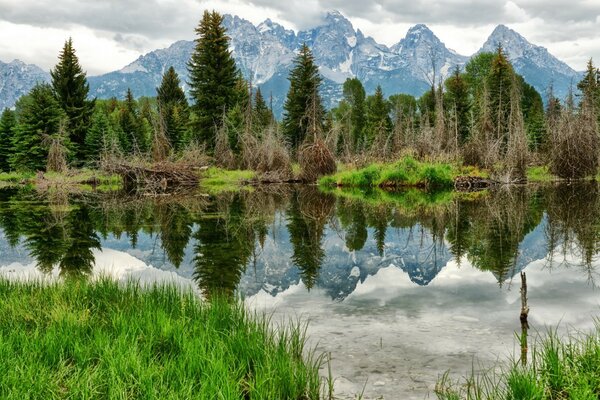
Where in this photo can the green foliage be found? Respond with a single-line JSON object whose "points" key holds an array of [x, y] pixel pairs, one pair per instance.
{"points": [[533, 114], [458, 104], [477, 70], [71, 89], [39, 114], [379, 123], [427, 105], [133, 137], [305, 82], [218, 180], [560, 369], [540, 174], [212, 78], [263, 116], [404, 173], [100, 136], [173, 108], [589, 87], [8, 122], [355, 96], [499, 83], [76, 339]]}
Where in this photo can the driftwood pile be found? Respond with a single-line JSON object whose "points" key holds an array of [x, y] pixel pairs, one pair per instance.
{"points": [[472, 183], [157, 177]]}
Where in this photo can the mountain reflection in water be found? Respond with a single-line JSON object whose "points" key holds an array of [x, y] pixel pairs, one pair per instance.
{"points": [[269, 239]]}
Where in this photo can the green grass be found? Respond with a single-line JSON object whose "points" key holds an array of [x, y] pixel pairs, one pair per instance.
{"points": [[406, 172], [540, 174], [560, 369], [77, 178], [103, 340], [16, 177], [217, 180]]}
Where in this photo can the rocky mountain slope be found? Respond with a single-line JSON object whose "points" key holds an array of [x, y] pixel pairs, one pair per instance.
{"points": [[265, 55]]}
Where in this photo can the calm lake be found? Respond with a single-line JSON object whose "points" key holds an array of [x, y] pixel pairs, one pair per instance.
{"points": [[399, 287]]}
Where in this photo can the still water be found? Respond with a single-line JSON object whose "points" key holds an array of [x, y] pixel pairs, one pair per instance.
{"points": [[398, 287]]}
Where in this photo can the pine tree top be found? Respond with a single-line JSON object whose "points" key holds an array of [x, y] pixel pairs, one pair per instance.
{"points": [[69, 81], [170, 91]]}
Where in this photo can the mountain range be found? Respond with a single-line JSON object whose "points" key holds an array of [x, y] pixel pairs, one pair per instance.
{"points": [[265, 53]]}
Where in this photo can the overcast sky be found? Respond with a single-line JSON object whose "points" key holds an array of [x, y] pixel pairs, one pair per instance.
{"points": [[108, 34]]}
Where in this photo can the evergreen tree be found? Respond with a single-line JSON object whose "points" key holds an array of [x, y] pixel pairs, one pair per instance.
{"points": [[263, 116], [173, 108], [458, 104], [499, 84], [71, 89], [40, 115], [589, 87], [427, 107], [99, 137], [305, 82], [7, 124], [133, 131], [378, 115], [533, 115], [213, 77], [355, 96]]}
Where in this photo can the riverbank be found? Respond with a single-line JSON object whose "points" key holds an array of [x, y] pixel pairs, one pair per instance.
{"points": [[75, 180], [75, 339], [404, 173]]}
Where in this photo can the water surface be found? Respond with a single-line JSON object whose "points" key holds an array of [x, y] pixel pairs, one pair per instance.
{"points": [[399, 287]]}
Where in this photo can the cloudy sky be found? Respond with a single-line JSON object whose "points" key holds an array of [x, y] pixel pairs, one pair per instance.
{"points": [[108, 34]]}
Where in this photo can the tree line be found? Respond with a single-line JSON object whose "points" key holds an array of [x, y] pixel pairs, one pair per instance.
{"points": [[484, 115]]}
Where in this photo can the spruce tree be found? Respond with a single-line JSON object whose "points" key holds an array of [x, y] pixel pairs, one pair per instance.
{"points": [[8, 122], [173, 108], [499, 83], [212, 78], [589, 87], [263, 117], [533, 115], [133, 132], [378, 115], [305, 82], [71, 89], [99, 137], [458, 104], [40, 115], [354, 95]]}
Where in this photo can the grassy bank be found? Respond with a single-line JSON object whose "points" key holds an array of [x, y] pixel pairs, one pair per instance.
{"points": [[101, 340], [559, 369], [216, 180], [76, 179], [406, 172]]}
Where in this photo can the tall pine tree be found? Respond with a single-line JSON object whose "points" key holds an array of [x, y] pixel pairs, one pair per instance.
{"points": [[354, 94], [133, 131], [458, 104], [500, 83], [71, 89], [40, 115], [263, 117], [7, 125], [378, 115], [305, 82], [212, 78], [173, 108]]}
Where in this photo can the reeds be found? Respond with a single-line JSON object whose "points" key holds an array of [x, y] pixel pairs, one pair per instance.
{"points": [[76, 339], [566, 368]]}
